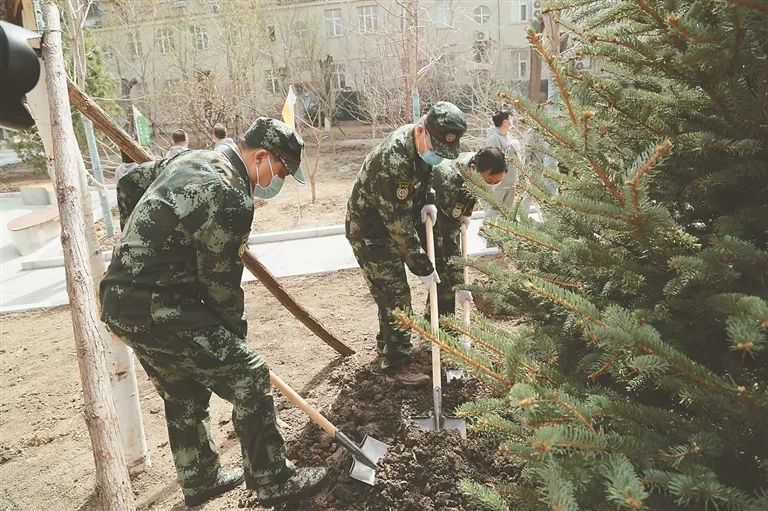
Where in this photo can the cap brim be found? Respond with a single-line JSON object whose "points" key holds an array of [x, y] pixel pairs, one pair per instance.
{"points": [[447, 151], [295, 169]]}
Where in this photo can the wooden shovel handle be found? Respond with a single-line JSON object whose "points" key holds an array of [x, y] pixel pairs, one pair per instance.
{"points": [[434, 319], [466, 306], [301, 404]]}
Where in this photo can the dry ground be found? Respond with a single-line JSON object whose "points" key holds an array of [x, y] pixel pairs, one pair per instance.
{"points": [[45, 456]]}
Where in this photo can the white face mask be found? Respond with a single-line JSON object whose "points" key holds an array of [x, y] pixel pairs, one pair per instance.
{"points": [[274, 186]]}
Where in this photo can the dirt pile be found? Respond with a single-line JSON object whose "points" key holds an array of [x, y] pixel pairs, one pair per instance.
{"points": [[422, 469]]}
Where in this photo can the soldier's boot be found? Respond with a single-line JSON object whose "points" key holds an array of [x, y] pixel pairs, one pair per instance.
{"points": [[228, 479], [305, 481], [409, 376]]}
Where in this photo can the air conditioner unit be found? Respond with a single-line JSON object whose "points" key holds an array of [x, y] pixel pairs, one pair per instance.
{"points": [[482, 36], [536, 9], [583, 63]]}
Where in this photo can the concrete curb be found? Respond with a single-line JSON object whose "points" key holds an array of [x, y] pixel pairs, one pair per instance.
{"points": [[254, 239]]}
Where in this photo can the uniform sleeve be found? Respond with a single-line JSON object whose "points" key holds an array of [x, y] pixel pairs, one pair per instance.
{"points": [[451, 274], [394, 187], [131, 187], [220, 229]]}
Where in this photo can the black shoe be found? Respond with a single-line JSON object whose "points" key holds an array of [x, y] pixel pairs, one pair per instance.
{"points": [[305, 481], [228, 479]]}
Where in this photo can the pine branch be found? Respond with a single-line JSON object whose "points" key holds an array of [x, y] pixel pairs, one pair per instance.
{"points": [[606, 181], [536, 41], [530, 235], [662, 149], [460, 328], [533, 111], [483, 495], [408, 323], [751, 4]]}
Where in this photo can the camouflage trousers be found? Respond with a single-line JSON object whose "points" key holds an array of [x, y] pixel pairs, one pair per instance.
{"points": [[185, 367], [384, 272], [447, 246], [446, 294]]}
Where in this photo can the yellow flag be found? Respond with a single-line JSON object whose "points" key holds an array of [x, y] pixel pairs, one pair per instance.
{"points": [[289, 116]]}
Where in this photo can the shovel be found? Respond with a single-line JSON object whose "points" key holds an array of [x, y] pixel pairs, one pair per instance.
{"points": [[437, 422], [466, 308], [364, 456]]}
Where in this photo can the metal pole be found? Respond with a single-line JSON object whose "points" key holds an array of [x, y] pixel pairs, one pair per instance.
{"points": [[98, 174]]}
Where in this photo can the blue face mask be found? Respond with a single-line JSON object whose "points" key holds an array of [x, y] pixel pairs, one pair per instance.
{"points": [[274, 186], [431, 157]]}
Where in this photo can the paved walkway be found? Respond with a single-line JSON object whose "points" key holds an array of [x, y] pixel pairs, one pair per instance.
{"points": [[38, 281]]}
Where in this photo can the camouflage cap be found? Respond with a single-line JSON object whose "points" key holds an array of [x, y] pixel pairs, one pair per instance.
{"points": [[279, 139], [445, 124]]}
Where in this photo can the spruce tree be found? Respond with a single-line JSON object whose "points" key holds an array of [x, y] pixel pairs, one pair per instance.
{"points": [[637, 377]]}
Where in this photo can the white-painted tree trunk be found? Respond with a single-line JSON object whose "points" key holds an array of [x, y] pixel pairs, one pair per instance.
{"points": [[100, 415], [122, 374]]}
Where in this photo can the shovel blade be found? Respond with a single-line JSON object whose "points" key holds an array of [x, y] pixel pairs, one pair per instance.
{"points": [[428, 424], [374, 450], [454, 374]]}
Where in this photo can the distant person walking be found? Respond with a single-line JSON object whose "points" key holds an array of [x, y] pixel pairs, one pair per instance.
{"points": [[499, 136], [180, 143], [220, 138], [125, 167]]}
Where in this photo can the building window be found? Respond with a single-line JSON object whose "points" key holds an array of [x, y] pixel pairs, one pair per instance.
{"points": [[338, 79], [333, 22], [367, 18], [300, 30], [482, 14], [199, 37], [165, 41], [520, 11], [519, 59], [134, 45], [443, 12]]}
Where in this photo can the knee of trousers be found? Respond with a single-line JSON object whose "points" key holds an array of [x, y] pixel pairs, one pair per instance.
{"points": [[251, 383]]}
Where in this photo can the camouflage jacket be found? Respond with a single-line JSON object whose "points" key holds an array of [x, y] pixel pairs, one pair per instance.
{"points": [[391, 188], [132, 185], [452, 201], [177, 263]]}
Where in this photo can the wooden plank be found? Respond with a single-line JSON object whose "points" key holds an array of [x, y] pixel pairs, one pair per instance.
{"points": [[33, 218]]}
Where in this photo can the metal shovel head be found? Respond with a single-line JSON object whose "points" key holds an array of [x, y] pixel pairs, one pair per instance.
{"points": [[374, 450], [428, 424]]}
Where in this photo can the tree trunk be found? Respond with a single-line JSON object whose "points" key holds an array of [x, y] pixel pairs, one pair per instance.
{"points": [[111, 472]]}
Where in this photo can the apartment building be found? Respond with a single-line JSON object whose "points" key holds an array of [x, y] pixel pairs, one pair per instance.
{"points": [[342, 46]]}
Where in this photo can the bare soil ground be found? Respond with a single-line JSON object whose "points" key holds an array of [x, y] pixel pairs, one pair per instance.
{"points": [[13, 177], [45, 456]]}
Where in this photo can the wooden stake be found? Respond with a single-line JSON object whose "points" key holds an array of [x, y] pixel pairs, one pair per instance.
{"points": [[100, 416], [140, 155]]}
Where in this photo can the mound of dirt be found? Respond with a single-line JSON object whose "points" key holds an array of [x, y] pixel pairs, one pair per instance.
{"points": [[421, 470]]}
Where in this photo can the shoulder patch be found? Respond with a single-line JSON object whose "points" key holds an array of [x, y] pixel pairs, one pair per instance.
{"points": [[458, 209], [403, 190]]}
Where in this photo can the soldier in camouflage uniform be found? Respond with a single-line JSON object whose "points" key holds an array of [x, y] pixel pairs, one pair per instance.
{"points": [[454, 207], [172, 293], [389, 196]]}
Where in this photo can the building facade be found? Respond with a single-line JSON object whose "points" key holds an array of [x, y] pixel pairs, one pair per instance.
{"points": [[352, 57]]}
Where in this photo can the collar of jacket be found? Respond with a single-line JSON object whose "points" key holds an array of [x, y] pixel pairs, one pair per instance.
{"points": [[238, 164], [419, 165]]}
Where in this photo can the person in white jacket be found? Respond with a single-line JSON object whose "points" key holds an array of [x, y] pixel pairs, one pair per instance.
{"points": [[499, 136]]}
